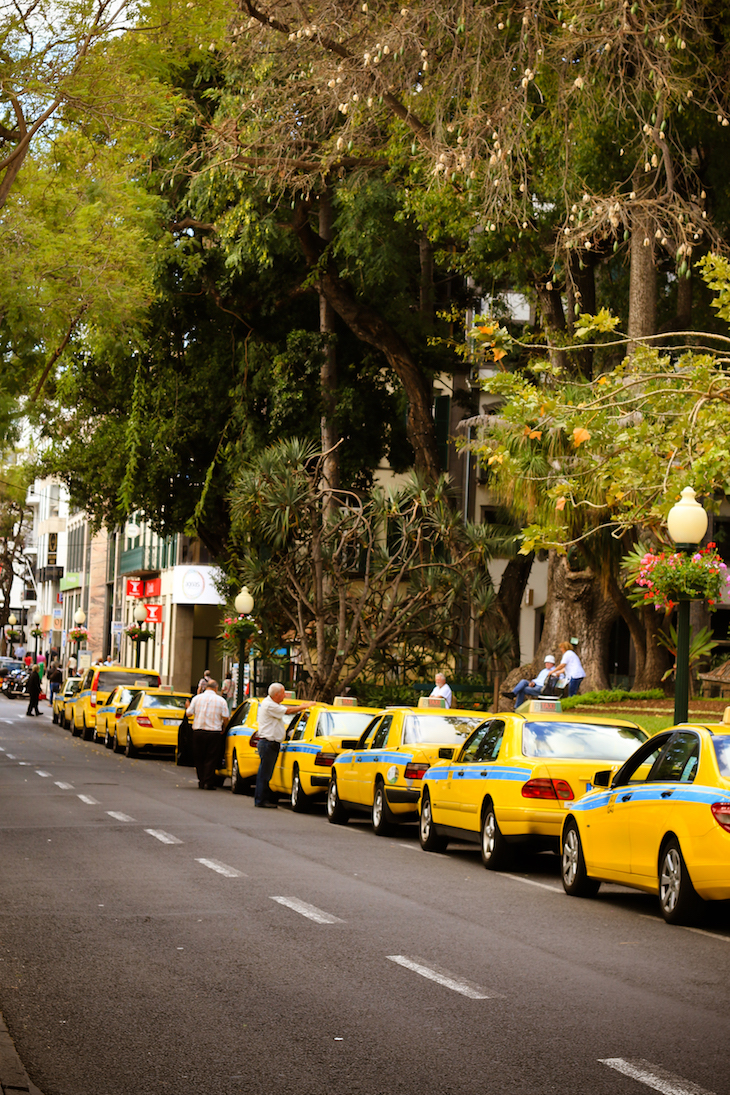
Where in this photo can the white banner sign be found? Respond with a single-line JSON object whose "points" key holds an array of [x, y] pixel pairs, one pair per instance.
{"points": [[195, 586]]}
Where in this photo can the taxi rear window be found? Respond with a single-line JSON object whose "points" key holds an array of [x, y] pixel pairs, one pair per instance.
{"points": [[349, 723], [110, 678], [165, 701], [438, 729], [722, 752], [580, 740]]}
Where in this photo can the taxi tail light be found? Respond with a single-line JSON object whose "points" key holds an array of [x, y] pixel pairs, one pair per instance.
{"points": [[253, 740], [118, 712], [547, 788], [721, 814], [92, 699], [416, 769], [142, 720], [325, 760]]}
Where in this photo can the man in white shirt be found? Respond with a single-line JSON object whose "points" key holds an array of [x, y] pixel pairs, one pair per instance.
{"points": [[208, 713], [271, 730], [442, 689], [532, 688]]}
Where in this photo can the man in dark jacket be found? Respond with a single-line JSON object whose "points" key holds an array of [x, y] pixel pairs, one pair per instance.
{"points": [[34, 690]]}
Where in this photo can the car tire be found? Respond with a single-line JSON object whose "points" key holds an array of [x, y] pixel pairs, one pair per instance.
{"points": [[108, 739], [678, 899], [496, 854], [427, 833], [299, 801], [381, 816], [130, 749], [65, 723], [573, 865], [75, 730], [336, 812], [87, 732], [116, 747], [54, 717], [238, 785]]}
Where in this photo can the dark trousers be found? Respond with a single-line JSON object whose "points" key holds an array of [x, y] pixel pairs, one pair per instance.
{"points": [[206, 753], [33, 703], [268, 751]]}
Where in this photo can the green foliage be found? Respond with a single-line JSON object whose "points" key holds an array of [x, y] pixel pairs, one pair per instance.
{"points": [[613, 695], [701, 645]]}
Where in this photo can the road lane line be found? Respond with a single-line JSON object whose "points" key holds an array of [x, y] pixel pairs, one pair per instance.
{"points": [[410, 847], [222, 868], [40, 772], [164, 838], [654, 1077], [310, 911], [119, 817], [64, 786], [24, 764], [448, 982], [10, 756], [686, 927], [89, 800], [531, 882]]}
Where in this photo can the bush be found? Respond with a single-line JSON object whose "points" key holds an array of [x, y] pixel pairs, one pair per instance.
{"points": [[614, 695]]}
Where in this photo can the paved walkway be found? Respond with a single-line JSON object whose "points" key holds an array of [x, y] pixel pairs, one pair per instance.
{"points": [[13, 1077]]}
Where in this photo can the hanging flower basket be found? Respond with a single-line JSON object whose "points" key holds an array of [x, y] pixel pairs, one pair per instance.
{"points": [[77, 635], [669, 578], [13, 636], [37, 632], [236, 628], [138, 634]]}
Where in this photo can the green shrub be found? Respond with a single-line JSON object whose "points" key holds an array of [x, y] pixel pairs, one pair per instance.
{"points": [[614, 695]]}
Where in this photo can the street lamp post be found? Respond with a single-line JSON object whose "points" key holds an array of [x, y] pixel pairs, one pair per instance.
{"points": [[687, 524], [140, 615], [79, 620], [243, 605], [12, 620], [37, 621]]}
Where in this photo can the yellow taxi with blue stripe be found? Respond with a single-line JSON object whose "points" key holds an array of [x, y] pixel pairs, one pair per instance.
{"points": [[107, 715], [62, 697], [97, 684], [151, 720], [660, 823], [240, 756], [514, 779], [315, 738], [382, 775]]}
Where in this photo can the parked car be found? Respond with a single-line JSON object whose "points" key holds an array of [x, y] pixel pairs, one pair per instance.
{"points": [[97, 684], [69, 689], [150, 721], [660, 823], [240, 756], [107, 715]]}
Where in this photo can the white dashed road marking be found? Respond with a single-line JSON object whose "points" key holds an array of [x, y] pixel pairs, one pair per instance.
{"points": [[10, 756], [119, 817], [531, 882], [64, 786], [654, 1077], [24, 763], [89, 800], [310, 911], [221, 868], [40, 772], [164, 838], [448, 982]]}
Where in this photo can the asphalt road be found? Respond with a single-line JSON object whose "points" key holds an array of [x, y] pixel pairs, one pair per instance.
{"points": [[157, 938]]}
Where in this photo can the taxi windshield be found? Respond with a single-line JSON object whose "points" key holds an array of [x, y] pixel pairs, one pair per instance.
{"points": [[722, 752], [165, 701], [438, 729], [349, 723], [110, 678], [580, 740]]}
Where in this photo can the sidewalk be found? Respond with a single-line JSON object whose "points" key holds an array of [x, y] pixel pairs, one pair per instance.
{"points": [[13, 1077]]}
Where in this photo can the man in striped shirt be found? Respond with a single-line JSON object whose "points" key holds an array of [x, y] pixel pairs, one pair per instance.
{"points": [[209, 714]]}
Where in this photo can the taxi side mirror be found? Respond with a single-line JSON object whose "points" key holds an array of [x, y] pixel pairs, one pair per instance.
{"points": [[350, 743], [445, 753], [602, 779]]}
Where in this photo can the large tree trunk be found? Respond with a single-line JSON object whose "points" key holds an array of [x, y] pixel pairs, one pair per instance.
{"points": [[328, 372], [642, 278], [511, 591], [369, 326]]}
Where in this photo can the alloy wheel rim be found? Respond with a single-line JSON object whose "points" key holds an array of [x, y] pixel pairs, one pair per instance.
{"points": [[295, 788], [488, 835], [570, 857], [377, 807], [426, 818], [234, 772], [671, 880], [332, 799]]}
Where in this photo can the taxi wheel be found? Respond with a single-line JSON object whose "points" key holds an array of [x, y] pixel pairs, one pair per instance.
{"points": [[108, 739], [496, 853], [54, 717], [87, 732], [75, 730], [336, 812], [299, 801], [429, 838], [238, 785], [678, 899], [130, 750], [381, 815], [573, 865], [116, 747]]}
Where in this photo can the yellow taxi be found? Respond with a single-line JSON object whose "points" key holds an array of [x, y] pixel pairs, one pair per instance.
{"points": [[515, 778], [66, 717], [70, 689], [660, 823], [150, 721], [314, 740], [97, 684], [383, 774], [240, 756], [107, 715]]}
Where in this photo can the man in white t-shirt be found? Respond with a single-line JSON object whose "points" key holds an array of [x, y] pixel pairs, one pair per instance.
{"points": [[208, 713], [442, 689], [271, 730]]}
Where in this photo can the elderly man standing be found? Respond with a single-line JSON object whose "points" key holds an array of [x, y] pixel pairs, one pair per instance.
{"points": [[442, 689], [209, 714], [271, 730]]}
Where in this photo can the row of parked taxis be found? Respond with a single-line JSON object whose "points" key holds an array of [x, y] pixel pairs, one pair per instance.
{"points": [[650, 813]]}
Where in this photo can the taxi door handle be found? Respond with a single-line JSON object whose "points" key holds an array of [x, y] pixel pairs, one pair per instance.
{"points": [[667, 794], [460, 773], [483, 773], [625, 798]]}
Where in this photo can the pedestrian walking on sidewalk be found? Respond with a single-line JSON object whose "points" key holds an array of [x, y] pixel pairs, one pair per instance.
{"points": [[34, 692], [209, 713]]}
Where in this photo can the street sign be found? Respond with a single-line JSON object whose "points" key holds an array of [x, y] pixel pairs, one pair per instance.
{"points": [[153, 587], [135, 587], [154, 614]]}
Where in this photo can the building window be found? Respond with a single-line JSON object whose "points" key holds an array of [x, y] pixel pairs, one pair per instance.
{"points": [[52, 548]]}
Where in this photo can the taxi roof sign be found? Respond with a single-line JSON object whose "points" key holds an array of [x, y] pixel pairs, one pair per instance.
{"points": [[432, 701], [344, 701], [290, 695], [544, 705]]}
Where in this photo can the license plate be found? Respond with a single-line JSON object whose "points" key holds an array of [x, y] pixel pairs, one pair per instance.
{"points": [[171, 722]]}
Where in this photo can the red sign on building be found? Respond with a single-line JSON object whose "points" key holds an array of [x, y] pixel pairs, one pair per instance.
{"points": [[154, 614], [135, 587], [153, 587]]}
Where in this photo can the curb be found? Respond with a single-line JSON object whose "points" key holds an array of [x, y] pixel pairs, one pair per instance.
{"points": [[14, 1079]]}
